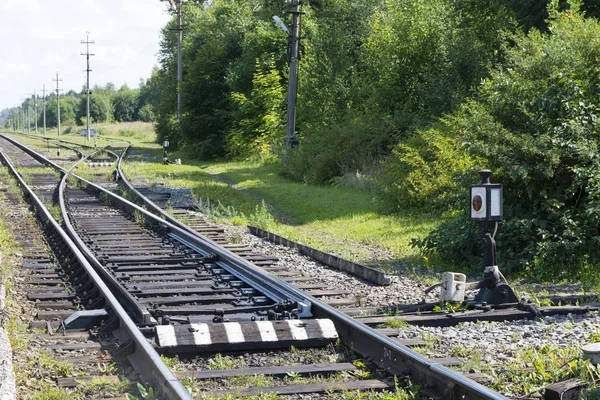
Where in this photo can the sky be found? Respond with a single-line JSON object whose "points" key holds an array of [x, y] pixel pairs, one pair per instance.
{"points": [[41, 37]]}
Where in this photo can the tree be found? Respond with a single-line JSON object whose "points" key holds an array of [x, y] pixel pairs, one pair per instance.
{"points": [[101, 103], [261, 116], [126, 104]]}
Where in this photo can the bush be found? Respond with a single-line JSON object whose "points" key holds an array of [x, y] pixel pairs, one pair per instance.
{"points": [[334, 151], [425, 171], [146, 113], [535, 121]]}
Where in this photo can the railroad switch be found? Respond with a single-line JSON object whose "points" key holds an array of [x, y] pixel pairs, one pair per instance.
{"points": [[283, 310], [486, 207], [166, 160]]}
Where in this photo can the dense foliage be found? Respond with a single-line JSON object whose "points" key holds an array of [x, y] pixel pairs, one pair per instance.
{"points": [[370, 72], [535, 122]]}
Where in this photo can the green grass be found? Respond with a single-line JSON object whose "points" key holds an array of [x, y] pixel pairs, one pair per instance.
{"points": [[339, 214], [341, 220]]}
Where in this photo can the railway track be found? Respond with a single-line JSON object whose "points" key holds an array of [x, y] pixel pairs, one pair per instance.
{"points": [[66, 282], [182, 289]]}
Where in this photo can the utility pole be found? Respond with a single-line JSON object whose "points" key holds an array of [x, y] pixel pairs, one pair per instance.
{"points": [[179, 66], [44, 106], [179, 29], [35, 110], [23, 115], [28, 118], [294, 44], [58, 102], [87, 42]]}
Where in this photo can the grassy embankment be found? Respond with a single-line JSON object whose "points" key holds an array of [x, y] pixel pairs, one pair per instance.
{"points": [[340, 220]]}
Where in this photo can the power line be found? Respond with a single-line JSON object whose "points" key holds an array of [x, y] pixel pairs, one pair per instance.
{"points": [[87, 42]]}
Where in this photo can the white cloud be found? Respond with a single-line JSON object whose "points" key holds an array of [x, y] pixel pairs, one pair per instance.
{"points": [[43, 37]]}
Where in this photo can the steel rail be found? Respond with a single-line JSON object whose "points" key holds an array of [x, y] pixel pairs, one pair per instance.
{"points": [[79, 152], [272, 287], [145, 360], [277, 291]]}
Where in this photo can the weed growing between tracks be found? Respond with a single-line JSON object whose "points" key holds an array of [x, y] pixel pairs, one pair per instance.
{"points": [[535, 369], [530, 369], [92, 174], [293, 356]]}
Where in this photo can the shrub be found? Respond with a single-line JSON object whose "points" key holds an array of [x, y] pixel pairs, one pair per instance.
{"points": [[425, 171], [146, 113], [332, 152], [535, 123]]}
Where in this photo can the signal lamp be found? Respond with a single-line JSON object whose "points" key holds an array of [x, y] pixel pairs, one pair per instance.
{"points": [[486, 199]]}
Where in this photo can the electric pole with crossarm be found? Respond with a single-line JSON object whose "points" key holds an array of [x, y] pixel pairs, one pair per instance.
{"points": [[58, 102], [35, 110], [294, 7], [87, 42], [44, 106], [179, 29]]}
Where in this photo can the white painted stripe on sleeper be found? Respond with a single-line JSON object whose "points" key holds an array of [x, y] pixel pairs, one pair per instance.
{"points": [[297, 329], [167, 336], [328, 328], [201, 334], [267, 331], [234, 332]]}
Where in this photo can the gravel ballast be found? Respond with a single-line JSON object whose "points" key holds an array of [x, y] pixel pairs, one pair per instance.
{"points": [[500, 344], [8, 388]]}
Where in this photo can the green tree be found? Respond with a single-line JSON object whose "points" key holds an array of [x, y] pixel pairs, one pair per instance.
{"points": [[261, 116], [101, 103], [125, 103]]}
